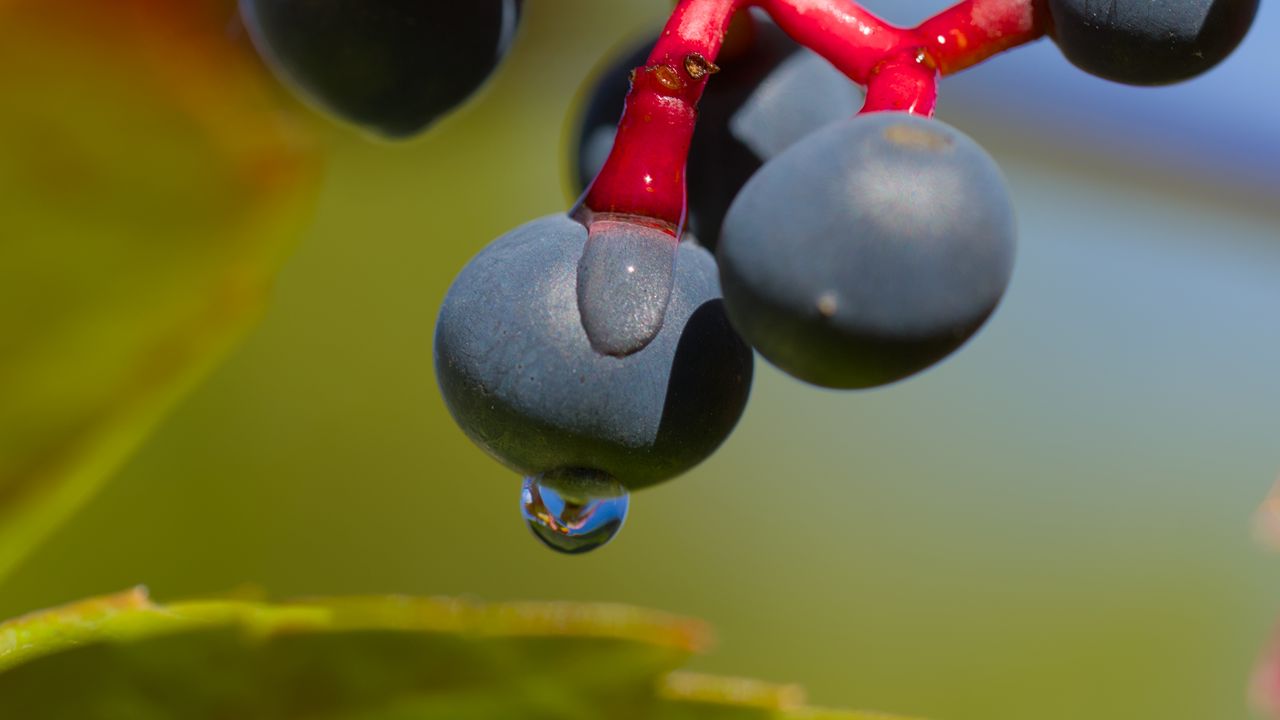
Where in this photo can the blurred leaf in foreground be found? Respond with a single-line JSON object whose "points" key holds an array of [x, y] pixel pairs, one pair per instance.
{"points": [[149, 187], [369, 658]]}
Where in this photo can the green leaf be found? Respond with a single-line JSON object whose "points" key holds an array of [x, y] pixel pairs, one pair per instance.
{"points": [[690, 696], [371, 659], [150, 186]]}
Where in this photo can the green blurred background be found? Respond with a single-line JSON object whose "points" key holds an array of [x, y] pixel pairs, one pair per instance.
{"points": [[1054, 524]]}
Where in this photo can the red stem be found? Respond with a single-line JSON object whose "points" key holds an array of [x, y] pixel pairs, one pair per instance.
{"points": [[644, 174], [852, 39], [906, 82], [974, 30]]}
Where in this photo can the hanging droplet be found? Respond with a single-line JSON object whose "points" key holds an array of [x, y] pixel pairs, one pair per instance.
{"points": [[574, 511], [624, 284]]}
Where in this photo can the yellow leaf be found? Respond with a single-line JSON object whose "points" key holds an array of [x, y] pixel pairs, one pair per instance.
{"points": [[150, 185]]}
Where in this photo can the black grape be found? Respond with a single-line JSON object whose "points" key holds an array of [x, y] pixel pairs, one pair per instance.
{"points": [[391, 66], [521, 379], [868, 251], [1149, 42], [766, 97]]}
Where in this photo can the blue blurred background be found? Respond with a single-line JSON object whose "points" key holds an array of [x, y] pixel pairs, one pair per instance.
{"points": [[1054, 524]]}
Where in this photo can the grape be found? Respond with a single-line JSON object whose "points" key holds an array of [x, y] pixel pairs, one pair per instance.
{"points": [[766, 97], [867, 251], [391, 66], [519, 376], [1149, 42]]}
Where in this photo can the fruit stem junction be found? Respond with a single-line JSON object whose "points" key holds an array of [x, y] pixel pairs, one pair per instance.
{"points": [[644, 175]]}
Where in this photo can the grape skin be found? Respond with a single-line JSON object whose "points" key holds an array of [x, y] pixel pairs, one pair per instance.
{"points": [[520, 377], [1149, 42], [868, 251], [391, 66]]}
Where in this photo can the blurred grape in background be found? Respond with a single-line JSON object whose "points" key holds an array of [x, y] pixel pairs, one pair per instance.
{"points": [[1053, 524]]}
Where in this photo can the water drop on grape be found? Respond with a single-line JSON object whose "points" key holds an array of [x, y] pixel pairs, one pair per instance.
{"points": [[574, 511], [624, 284]]}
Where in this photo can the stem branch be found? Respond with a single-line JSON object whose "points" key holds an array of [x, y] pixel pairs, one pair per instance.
{"points": [[644, 175]]}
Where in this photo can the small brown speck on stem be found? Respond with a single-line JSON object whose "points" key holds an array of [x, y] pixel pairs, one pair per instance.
{"points": [[698, 67], [668, 77]]}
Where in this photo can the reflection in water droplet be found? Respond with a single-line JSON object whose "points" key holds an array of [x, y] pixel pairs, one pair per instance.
{"points": [[624, 284], [574, 511]]}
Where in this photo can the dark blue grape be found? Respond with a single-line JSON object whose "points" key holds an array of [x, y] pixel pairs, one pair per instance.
{"points": [[867, 251], [391, 66], [1149, 42], [520, 377], [766, 97]]}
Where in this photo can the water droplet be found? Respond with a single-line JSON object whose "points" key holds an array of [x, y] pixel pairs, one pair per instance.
{"points": [[624, 284], [574, 511]]}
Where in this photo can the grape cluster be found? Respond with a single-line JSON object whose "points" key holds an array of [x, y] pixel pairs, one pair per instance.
{"points": [[593, 352]]}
